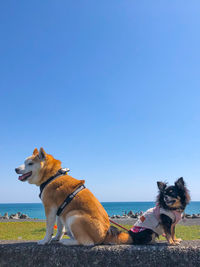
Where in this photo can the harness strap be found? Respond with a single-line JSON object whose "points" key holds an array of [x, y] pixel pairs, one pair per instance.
{"points": [[69, 199], [59, 173], [119, 225]]}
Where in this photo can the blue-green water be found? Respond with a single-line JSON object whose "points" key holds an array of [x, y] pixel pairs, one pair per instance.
{"points": [[36, 210]]}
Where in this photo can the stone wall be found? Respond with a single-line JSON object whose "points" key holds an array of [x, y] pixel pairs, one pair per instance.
{"points": [[30, 254]]}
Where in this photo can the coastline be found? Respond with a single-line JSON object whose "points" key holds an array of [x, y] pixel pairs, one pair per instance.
{"points": [[36, 210]]}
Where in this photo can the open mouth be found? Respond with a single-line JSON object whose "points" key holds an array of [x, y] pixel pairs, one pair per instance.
{"points": [[170, 202], [25, 176]]}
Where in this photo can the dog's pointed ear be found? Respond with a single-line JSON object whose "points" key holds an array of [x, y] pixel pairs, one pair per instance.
{"points": [[35, 152], [161, 186], [180, 183], [42, 154]]}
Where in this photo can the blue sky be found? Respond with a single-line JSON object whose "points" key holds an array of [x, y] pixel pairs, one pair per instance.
{"points": [[111, 88]]}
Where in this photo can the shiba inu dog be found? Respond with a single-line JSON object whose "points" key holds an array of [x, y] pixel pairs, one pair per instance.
{"points": [[84, 218]]}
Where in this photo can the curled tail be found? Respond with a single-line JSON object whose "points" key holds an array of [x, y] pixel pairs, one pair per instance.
{"points": [[114, 236]]}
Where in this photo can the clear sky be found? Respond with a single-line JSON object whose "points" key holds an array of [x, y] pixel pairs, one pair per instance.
{"points": [[111, 88]]}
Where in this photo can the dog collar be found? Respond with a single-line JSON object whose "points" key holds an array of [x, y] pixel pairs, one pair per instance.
{"points": [[59, 173]]}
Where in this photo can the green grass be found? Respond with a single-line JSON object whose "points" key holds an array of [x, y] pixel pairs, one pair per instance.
{"points": [[22, 230], [36, 231]]}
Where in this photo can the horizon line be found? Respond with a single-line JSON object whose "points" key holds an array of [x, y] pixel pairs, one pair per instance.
{"points": [[99, 201]]}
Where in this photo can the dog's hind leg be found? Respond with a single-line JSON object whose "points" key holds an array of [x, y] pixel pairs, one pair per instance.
{"points": [[60, 230], [79, 229], [87, 230], [51, 218], [71, 241]]}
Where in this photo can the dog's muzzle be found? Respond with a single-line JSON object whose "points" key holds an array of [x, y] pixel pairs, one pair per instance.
{"points": [[25, 176]]}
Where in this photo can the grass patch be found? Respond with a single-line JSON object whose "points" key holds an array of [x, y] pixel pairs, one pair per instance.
{"points": [[188, 232], [37, 230], [22, 230]]}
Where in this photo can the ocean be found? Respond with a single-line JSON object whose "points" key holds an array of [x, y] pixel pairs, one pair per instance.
{"points": [[36, 210]]}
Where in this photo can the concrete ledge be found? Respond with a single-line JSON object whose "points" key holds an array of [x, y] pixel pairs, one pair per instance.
{"points": [[30, 254]]}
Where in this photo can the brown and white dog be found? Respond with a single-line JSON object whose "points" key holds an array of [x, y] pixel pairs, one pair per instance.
{"points": [[84, 218]]}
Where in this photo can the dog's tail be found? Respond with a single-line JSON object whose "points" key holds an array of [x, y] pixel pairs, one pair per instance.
{"points": [[114, 236]]}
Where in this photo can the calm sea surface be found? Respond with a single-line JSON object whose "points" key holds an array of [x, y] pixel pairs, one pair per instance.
{"points": [[36, 210]]}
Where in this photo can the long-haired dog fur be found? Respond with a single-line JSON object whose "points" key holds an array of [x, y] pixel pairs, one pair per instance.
{"points": [[170, 204], [172, 198]]}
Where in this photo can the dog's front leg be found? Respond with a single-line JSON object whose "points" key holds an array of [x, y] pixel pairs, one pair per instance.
{"points": [[167, 223], [176, 240], [60, 230], [168, 235], [51, 218]]}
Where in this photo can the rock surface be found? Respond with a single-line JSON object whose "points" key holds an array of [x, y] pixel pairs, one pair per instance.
{"points": [[5, 216], [30, 254]]}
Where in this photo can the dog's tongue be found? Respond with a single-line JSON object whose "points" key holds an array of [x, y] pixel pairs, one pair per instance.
{"points": [[22, 177]]}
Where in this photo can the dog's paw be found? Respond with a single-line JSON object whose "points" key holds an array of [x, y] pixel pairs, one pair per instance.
{"points": [[173, 243], [55, 239], [179, 240], [42, 242]]}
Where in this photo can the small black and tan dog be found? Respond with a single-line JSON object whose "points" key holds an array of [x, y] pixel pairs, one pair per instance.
{"points": [[170, 204]]}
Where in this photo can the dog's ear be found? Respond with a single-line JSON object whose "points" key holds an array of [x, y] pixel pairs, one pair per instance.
{"points": [[161, 186], [35, 152], [42, 154], [180, 183]]}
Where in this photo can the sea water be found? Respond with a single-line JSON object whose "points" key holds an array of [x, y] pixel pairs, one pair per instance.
{"points": [[36, 210]]}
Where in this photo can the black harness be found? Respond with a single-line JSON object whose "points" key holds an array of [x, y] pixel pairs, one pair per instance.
{"points": [[69, 198]]}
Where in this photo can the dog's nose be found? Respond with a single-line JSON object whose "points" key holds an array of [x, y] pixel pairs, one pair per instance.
{"points": [[17, 170]]}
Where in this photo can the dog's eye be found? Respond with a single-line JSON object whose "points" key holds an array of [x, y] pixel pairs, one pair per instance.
{"points": [[31, 163]]}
